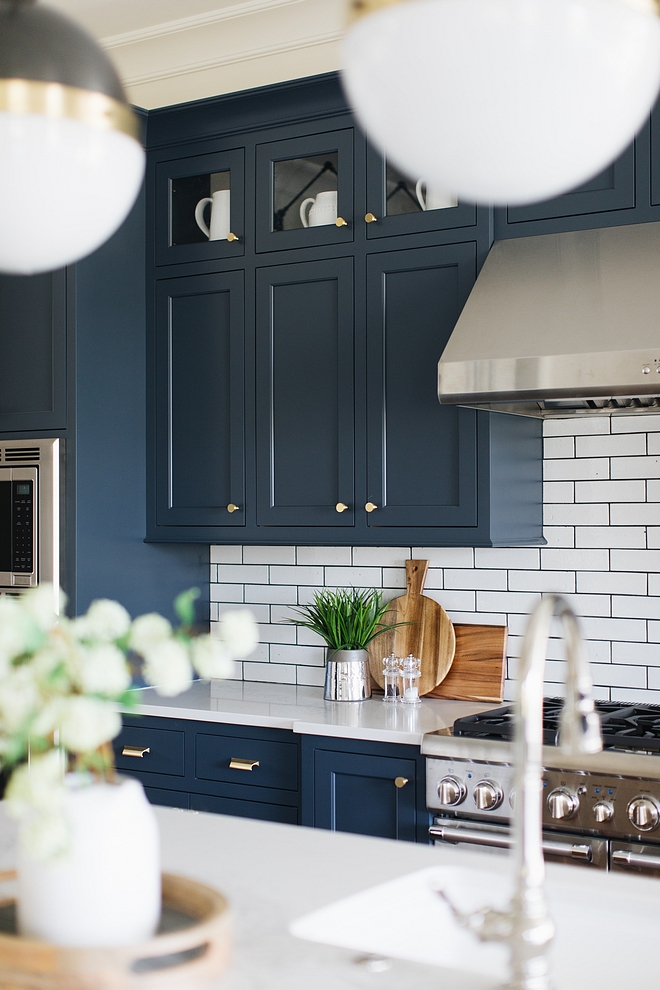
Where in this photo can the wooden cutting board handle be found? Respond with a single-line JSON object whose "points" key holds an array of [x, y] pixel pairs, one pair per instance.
{"points": [[416, 571]]}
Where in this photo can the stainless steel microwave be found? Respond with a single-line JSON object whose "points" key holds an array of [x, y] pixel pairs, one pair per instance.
{"points": [[29, 513]]}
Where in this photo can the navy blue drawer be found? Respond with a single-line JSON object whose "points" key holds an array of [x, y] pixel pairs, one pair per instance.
{"points": [[227, 758], [163, 750], [244, 809]]}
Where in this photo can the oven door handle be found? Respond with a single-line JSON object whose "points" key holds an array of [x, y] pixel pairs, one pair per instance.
{"points": [[499, 840], [626, 858]]}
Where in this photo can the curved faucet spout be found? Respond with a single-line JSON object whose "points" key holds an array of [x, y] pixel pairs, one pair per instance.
{"points": [[526, 925], [579, 733]]}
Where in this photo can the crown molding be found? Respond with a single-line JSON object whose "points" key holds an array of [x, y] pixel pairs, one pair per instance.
{"points": [[166, 28], [234, 58]]}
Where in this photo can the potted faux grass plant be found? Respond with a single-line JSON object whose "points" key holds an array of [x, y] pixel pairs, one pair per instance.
{"points": [[347, 619]]}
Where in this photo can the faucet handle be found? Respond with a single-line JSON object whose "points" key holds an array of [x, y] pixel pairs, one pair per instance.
{"points": [[486, 923]]}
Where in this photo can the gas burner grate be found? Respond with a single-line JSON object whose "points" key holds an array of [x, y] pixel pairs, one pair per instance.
{"points": [[623, 725]]}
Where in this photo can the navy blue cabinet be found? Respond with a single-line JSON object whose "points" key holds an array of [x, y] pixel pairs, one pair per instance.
{"points": [[33, 352], [340, 321], [364, 787], [200, 431], [305, 395], [345, 785]]}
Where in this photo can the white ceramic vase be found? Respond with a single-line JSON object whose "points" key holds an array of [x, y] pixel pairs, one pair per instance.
{"points": [[106, 890]]}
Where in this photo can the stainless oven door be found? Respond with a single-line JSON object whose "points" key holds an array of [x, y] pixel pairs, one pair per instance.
{"points": [[635, 857], [557, 848]]}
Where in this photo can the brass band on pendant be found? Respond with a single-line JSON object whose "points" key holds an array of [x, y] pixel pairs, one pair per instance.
{"points": [[54, 100], [362, 8]]}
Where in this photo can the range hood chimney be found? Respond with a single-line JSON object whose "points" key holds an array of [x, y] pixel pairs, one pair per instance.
{"points": [[561, 324]]}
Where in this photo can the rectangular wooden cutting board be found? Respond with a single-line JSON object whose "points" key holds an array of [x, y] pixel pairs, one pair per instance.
{"points": [[477, 673]]}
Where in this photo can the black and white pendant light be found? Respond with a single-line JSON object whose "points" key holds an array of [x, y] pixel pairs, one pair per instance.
{"points": [[71, 162]]}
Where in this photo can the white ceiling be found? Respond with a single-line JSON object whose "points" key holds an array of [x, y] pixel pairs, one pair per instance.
{"points": [[172, 51]]}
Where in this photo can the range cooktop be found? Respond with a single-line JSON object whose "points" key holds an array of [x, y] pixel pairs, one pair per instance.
{"points": [[625, 727]]}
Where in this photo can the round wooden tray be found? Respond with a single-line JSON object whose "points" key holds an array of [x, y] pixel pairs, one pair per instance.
{"points": [[190, 949]]}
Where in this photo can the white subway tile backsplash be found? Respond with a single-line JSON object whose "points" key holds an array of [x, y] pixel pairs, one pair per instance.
{"points": [[609, 491], [610, 536], [617, 445], [602, 525], [353, 577], [269, 555], [578, 469]]}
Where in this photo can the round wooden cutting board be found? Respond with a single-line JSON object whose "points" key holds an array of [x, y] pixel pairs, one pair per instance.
{"points": [[429, 636]]}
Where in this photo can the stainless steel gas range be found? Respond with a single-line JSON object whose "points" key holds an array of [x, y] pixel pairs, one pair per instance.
{"points": [[601, 811]]}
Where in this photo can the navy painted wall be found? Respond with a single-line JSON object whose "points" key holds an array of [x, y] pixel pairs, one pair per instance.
{"points": [[112, 561]]}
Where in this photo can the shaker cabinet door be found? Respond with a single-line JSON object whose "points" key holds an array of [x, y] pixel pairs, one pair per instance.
{"points": [[200, 430], [305, 382], [422, 457]]}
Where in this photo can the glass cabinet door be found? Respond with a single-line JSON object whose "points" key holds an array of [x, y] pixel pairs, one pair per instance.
{"points": [[200, 208], [403, 204], [305, 191]]}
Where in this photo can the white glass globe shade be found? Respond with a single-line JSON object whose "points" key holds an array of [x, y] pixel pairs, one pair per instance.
{"points": [[503, 101], [65, 187]]}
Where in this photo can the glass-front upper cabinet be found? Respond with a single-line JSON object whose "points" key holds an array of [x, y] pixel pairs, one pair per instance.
{"points": [[403, 204], [200, 208], [305, 191]]}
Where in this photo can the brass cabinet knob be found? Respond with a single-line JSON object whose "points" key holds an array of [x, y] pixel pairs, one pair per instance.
{"points": [[370, 506], [340, 222], [233, 508], [370, 218], [400, 781], [138, 751], [341, 507], [232, 237]]}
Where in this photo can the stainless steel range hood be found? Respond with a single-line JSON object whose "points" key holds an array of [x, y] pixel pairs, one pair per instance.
{"points": [[561, 324]]}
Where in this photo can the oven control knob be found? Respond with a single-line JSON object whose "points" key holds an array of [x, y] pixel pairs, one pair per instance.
{"points": [[562, 804], [451, 791], [644, 813], [487, 795], [603, 811]]}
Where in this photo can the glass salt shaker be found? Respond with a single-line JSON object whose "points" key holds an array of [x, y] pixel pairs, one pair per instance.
{"points": [[410, 674], [391, 678]]}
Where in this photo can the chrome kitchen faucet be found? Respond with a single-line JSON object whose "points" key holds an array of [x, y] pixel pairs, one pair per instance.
{"points": [[526, 925]]}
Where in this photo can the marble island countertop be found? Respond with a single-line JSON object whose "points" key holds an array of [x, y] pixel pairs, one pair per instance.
{"points": [[303, 710]]}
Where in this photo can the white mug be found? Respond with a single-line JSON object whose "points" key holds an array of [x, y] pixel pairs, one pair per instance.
{"points": [[323, 209], [435, 199], [219, 202]]}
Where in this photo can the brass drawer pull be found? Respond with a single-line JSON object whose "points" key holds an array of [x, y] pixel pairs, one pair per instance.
{"points": [[341, 507], [340, 222], [370, 218], [370, 506], [232, 507], [400, 781], [139, 751], [236, 763], [232, 237]]}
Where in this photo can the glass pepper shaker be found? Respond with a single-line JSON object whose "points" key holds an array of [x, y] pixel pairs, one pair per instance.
{"points": [[410, 674], [391, 678]]}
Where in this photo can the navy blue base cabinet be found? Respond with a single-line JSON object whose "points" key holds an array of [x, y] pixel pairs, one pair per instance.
{"points": [[364, 787], [278, 776]]}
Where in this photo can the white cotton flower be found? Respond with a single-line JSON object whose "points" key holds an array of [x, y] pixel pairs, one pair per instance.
{"points": [[147, 631], [105, 620], [103, 670], [49, 718], [168, 668], [238, 631], [20, 698], [42, 605], [211, 659], [37, 786], [87, 723], [18, 632]]}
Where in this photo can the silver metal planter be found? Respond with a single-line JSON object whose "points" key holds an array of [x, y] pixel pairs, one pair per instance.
{"points": [[347, 676]]}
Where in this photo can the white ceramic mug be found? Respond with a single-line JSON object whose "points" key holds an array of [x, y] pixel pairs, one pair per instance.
{"points": [[219, 203], [322, 210], [435, 199]]}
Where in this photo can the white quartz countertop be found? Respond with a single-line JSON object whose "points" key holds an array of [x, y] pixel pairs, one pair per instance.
{"points": [[302, 709]]}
